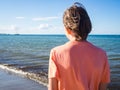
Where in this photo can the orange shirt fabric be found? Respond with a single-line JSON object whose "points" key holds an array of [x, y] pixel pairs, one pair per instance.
{"points": [[79, 66]]}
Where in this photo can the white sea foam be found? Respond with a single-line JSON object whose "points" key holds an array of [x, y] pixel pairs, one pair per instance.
{"points": [[31, 76]]}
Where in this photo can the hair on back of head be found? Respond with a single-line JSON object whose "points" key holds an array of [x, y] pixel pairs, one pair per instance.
{"points": [[77, 20]]}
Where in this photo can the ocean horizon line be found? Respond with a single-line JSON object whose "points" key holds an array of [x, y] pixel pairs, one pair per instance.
{"points": [[59, 34]]}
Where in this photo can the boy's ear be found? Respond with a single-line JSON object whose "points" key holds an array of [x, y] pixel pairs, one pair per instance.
{"points": [[68, 31]]}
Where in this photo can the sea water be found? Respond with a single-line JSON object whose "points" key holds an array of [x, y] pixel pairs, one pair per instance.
{"points": [[30, 53]]}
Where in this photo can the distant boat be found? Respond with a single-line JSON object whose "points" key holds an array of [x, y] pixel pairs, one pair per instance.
{"points": [[16, 34]]}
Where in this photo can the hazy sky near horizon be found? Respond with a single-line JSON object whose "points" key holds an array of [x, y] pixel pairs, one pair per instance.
{"points": [[45, 16]]}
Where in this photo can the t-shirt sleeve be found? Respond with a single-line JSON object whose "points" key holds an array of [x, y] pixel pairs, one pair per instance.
{"points": [[53, 71], [106, 71]]}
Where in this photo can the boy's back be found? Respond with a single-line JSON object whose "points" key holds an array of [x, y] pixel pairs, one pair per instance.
{"points": [[79, 66]]}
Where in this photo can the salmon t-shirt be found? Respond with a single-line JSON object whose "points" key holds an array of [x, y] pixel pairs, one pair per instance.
{"points": [[79, 66]]}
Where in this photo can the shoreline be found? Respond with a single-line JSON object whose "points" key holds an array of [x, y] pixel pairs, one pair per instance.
{"points": [[12, 81], [32, 76], [9, 77]]}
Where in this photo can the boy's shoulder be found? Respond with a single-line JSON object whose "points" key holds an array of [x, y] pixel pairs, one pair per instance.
{"points": [[57, 48], [60, 48], [98, 49], [63, 46]]}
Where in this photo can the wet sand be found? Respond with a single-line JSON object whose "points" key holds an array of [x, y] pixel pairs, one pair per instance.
{"points": [[10, 81]]}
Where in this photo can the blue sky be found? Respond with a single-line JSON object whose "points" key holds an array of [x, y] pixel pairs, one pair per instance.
{"points": [[45, 16]]}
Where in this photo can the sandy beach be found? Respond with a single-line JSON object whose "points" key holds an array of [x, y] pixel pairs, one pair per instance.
{"points": [[10, 81]]}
